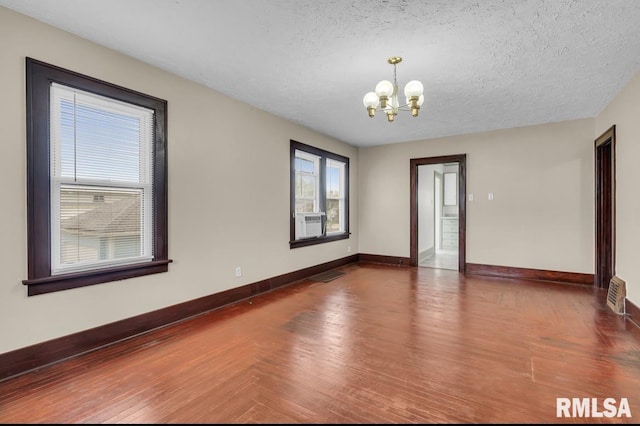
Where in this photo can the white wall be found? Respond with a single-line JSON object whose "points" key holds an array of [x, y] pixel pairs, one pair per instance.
{"points": [[426, 206], [453, 209], [624, 112], [228, 192], [542, 179]]}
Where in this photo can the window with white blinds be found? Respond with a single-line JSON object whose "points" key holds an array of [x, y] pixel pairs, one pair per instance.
{"points": [[101, 181], [97, 181]]}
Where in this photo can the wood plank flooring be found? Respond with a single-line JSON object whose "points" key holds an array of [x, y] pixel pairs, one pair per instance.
{"points": [[381, 344]]}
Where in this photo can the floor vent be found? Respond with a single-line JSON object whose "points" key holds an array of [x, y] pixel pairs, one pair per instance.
{"points": [[615, 296], [325, 277]]}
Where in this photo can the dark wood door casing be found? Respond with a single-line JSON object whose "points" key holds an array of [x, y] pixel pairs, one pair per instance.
{"points": [[461, 159], [605, 208]]}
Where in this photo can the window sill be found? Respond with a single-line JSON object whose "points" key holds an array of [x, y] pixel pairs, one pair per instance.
{"points": [[318, 240], [80, 279]]}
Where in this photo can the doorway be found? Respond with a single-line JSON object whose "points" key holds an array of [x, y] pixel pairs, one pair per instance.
{"points": [[605, 172], [438, 213]]}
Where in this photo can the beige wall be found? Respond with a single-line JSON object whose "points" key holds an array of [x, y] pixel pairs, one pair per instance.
{"points": [[542, 180], [228, 192], [624, 112]]}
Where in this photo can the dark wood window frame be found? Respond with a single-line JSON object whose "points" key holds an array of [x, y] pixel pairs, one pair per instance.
{"points": [[324, 155], [39, 76]]}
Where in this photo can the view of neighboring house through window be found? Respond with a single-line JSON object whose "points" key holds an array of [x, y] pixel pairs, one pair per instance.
{"points": [[319, 195], [96, 181]]}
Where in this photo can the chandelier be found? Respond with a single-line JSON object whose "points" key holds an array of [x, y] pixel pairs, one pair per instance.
{"points": [[386, 96]]}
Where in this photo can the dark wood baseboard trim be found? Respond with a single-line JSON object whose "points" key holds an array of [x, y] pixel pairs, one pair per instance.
{"points": [[632, 311], [39, 355], [388, 260], [529, 274]]}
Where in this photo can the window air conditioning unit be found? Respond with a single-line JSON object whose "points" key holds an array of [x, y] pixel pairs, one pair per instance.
{"points": [[309, 225]]}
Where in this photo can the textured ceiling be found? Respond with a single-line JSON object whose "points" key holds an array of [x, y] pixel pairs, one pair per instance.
{"points": [[485, 64]]}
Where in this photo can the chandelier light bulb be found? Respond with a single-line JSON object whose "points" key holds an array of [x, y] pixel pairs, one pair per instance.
{"points": [[384, 88], [413, 88], [371, 102]]}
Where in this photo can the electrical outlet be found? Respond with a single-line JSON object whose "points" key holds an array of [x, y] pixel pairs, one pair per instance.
{"points": [[348, 249], [238, 271]]}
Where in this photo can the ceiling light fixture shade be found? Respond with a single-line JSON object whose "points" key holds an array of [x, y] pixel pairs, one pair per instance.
{"points": [[386, 96], [371, 102]]}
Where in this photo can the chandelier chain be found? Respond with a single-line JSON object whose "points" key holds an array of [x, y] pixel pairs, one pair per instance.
{"points": [[395, 81]]}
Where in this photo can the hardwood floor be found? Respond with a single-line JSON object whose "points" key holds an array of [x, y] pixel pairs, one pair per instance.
{"points": [[380, 344]]}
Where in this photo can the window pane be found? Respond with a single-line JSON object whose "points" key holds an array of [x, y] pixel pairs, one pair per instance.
{"points": [[333, 215], [95, 137], [333, 181], [304, 206], [107, 145], [102, 153], [305, 166], [335, 190], [305, 186], [99, 224]]}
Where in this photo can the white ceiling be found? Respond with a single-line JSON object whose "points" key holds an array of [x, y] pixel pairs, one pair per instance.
{"points": [[485, 64]]}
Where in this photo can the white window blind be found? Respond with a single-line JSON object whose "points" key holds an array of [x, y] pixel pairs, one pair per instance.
{"points": [[101, 181]]}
